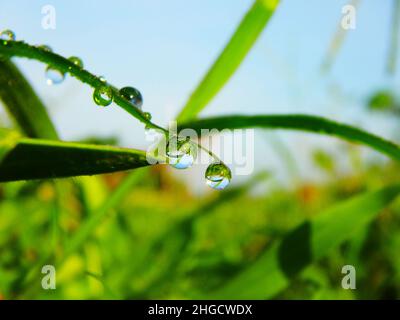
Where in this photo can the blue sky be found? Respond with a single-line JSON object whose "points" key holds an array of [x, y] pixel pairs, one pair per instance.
{"points": [[163, 48]]}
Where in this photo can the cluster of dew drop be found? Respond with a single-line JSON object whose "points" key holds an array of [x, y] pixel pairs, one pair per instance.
{"points": [[181, 154], [181, 151]]}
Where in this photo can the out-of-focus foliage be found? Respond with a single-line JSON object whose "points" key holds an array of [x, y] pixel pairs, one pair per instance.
{"points": [[161, 241], [382, 100]]}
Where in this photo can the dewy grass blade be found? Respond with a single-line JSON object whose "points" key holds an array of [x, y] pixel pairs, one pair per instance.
{"points": [[10, 49]]}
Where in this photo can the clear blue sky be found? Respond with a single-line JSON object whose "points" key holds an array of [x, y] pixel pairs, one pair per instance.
{"points": [[164, 48]]}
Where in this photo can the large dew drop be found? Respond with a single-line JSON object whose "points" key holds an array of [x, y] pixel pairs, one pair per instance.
{"points": [[76, 61], [103, 96], [181, 152], [133, 96], [7, 35], [218, 176], [54, 76]]}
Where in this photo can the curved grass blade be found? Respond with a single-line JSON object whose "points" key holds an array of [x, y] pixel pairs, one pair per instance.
{"points": [[231, 57], [23, 104], [312, 240], [42, 159], [298, 122]]}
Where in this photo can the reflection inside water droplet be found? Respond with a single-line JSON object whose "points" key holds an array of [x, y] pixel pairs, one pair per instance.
{"points": [[218, 176], [103, 96], [7, 35], [133, 96], [181, 152], [54, 76]]}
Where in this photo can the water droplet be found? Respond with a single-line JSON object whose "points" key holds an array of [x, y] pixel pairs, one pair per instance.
{"points": [[147, 115], [102, 79], [45, 48], [76, 61], [103, 96], [7, 35], [181, 152], [54, 76], [133, 96], [218, 176]]}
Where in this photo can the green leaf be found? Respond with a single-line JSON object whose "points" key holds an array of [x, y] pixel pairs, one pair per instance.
{"points": [[23, 104], [298, 122], [309, 242], [231, 57], [41, 159]]}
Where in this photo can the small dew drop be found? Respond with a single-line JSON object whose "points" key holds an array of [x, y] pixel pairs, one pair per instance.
{"points": [[76, 61], [45, 48], [133, 96], [54, 76], [147, 115], [7, 35], [102, 79], [181, 152], [218, 176], [103, 96]]}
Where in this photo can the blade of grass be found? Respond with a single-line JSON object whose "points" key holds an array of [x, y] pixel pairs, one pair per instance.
{"points": [[40, 159], [231, 57], [309, 242], [10, 49], [8, 140], [394, 38], [297, 122], [97, 216], [336, 43], [23, 104]]}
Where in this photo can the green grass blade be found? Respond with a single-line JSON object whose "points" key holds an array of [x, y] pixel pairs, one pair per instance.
{"points": [[8, 140], [41, 159], [298, 122], [23, 104], [337, 42], [98, 215], [394, 38], [309, 242], [231, 57]]}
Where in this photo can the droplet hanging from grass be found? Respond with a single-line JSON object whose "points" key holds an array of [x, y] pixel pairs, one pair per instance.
{"points": [[7, 35], [133, 96], [54, 76], [181, 152], [76, 61], [103, 96], [218, 176]]}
